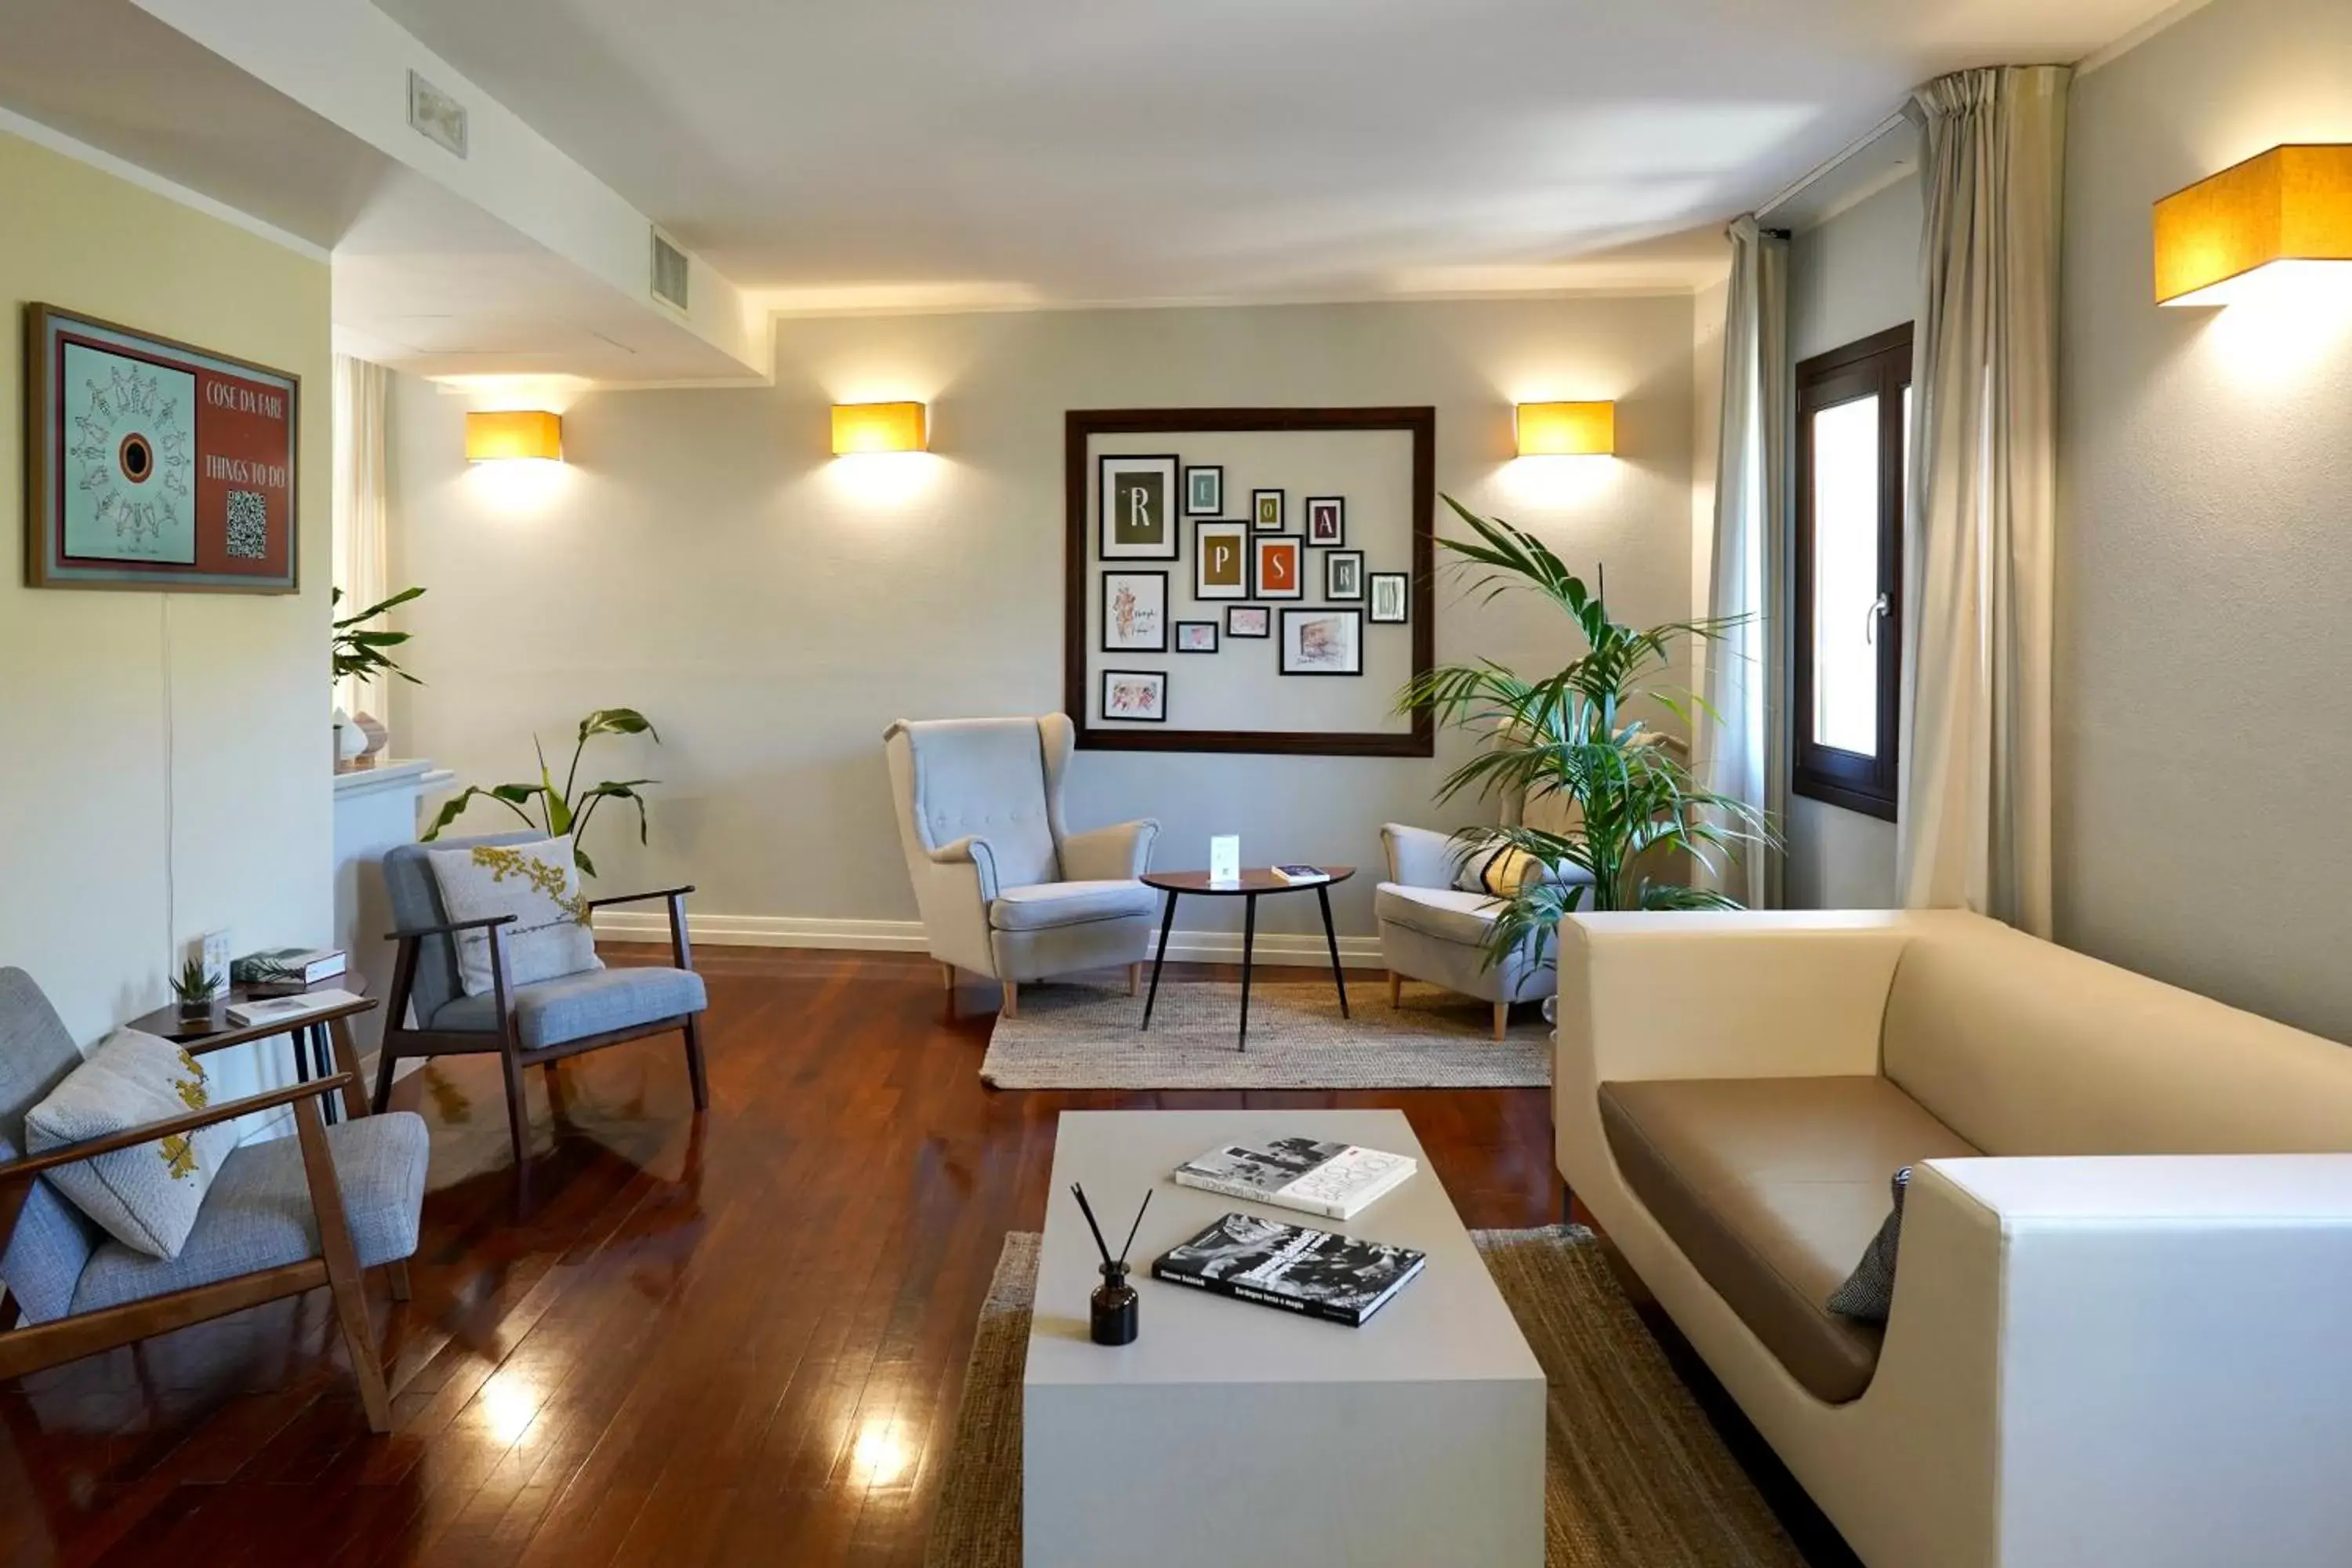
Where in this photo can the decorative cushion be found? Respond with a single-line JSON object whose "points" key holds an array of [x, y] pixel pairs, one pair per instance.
{"points": [[1868, 1292], [537, 883], [573, 1007], [146, 1197], [259, 1213], [1499, 871]]}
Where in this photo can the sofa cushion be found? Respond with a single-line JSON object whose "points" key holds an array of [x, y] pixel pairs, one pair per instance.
{"points": [[1448, 914], [2023, 1049], [259, 1213], [1045, 904], [538, 884], [574, 1007], [1772, 1188]]}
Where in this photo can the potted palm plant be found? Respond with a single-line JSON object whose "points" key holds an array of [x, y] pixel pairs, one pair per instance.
{"points": [[566, 809], [1575, 737]]}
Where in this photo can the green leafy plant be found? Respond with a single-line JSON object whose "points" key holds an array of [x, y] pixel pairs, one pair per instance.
{"points": [[195, 983], [561, 812], [1573, 737], [362, 653]]}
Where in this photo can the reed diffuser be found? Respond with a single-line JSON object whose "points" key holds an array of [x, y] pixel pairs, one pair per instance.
{"points": [[1114, 1300]]}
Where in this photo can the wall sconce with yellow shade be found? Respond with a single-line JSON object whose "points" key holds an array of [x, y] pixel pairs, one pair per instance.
{"points": [[1567, 429], [2270, 219], [863, 428], [508, 434]]}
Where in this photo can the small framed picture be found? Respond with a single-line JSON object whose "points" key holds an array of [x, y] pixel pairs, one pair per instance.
{"points": [[1391, 598], [1221, 552], [1135, 696], [1196, 637], [1135, 612], [1322, 642], [1327, 520], [1135, 500], [1204, 491], [1265, 511], [1248, 621], [1343, 574], [1278, 571]]}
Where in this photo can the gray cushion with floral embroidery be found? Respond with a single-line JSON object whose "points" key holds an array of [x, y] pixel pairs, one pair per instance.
{"points": [[536, 882], [146, 1197]]}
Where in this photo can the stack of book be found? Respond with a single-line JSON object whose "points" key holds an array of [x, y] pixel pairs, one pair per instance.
{"points": [[284, 970]]}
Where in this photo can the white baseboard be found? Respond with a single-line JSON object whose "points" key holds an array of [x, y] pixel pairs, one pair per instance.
{"points": [[907, 936]]}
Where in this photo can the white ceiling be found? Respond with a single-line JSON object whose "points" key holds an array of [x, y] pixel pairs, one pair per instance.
{"points": [[1021, 151]]}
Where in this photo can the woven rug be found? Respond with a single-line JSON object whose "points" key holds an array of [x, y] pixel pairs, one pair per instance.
{"points": [[1086, 1036], [1634, 1475]]}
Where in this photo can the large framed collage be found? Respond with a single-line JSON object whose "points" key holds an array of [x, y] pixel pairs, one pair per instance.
{"points": [[1216, 555]]}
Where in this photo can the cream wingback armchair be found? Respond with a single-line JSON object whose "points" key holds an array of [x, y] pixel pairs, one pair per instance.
{"points": [[1006, 891]]}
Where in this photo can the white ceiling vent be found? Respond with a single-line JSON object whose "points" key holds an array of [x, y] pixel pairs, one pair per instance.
{"points": [[670, 272]]}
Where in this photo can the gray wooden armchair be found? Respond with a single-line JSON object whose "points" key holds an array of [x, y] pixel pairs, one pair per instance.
{"points": [[524, 1026], [283, 1216]]}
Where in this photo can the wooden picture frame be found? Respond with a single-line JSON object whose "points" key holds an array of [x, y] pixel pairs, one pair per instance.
{"points": [[1389, 601], [1299, 620], [1205, 490], [1265, 581], [1196, 637], [1266, 509], [1221, 560], [1343, 575], [154, 465], [1326, 521], [1155, 679], [1082, 428], [1248, 621], [1129, 536]]}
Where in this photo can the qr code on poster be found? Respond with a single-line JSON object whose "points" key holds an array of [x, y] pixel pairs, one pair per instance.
{"points": [[249, 524]]}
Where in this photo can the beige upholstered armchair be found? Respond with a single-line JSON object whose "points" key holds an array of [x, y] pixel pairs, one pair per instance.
{"points": [[1005, 889]]}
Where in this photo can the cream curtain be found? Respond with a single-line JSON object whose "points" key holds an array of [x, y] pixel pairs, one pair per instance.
{"points": [[361, 388], [1973, 821], [1746, 673]]}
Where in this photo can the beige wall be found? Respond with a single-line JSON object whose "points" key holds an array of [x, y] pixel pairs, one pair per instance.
{"points": [[2204, 661], [164, 768], [701, 557], [1854, 275]]}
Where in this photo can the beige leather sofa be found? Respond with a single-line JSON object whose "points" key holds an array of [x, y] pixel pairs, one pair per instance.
{"points": [[2122, 1323]]}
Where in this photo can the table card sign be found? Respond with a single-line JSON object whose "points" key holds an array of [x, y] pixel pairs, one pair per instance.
{"points": [[1226, 857]]}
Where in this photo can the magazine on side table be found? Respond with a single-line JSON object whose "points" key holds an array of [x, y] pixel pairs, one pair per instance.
{"points": [[1339, 1181], [1315, 1273]]}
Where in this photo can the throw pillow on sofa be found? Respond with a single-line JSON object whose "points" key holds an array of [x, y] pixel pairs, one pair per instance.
{"points": [[536, 882], [1868, 1292], [146, 1198], [1499, 871]]}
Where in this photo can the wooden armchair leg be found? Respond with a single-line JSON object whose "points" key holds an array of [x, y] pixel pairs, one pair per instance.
{"points": [[395, 1279], [1012, 1004], [1502, 1019], [695, 1071], [342, 1264], [1135, 980], [947, 973], [518, 1104], [385, 1062], [1396, 989]]}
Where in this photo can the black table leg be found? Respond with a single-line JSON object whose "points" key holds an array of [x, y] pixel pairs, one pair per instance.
{"points": [[311, 1040], [1249, 940], [1331, 938], [1167, 924]]}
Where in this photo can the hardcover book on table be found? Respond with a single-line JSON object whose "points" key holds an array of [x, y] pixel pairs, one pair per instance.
{"points": [[1337, 1180], [279, 970], [1315, 1273]]}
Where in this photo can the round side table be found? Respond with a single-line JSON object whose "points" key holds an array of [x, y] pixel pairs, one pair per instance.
{"points": [[1254, 883]]}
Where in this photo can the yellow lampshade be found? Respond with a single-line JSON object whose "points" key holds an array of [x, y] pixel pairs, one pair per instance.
{"points": [[1568, 429], [496, 437], [2271, 215], [878, 427]]}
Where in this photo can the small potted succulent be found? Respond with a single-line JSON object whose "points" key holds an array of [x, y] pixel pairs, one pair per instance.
{"points": [[195, 987]]}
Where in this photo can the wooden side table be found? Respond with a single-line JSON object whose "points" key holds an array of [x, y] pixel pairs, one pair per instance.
{"points": [[1255, 883], [322, 1040]]}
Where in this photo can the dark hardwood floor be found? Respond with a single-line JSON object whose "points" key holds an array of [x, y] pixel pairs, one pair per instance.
{"points": [[741, 1341]]}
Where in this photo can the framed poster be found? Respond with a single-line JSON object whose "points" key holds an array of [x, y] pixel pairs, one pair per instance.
{"points": [[1220, 554], [1135, 612], [155, 464], [1320, 501], [1322, 641], [1137, 503]]}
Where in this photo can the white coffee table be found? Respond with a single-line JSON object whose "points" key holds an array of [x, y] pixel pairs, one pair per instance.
{"points": [[1231, 1433]]}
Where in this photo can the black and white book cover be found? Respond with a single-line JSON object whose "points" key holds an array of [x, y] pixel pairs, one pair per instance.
{"points": [[1317, 1175], [1343, 1278]]}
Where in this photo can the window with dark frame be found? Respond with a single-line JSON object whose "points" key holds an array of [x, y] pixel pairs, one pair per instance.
{"points": [[1853, 421]]}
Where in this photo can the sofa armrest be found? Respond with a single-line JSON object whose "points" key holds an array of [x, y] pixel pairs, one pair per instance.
{"points": [[2144, 1353], [1417, 856], [1118, 853], [971, 851], [1744, 993]]}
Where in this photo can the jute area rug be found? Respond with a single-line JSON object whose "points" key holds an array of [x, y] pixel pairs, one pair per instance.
{"points": [[1086, 1036], [1634, 1475]]}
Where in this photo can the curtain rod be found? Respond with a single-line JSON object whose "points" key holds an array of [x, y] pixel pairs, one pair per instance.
{"points": [[1806, 180]]}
